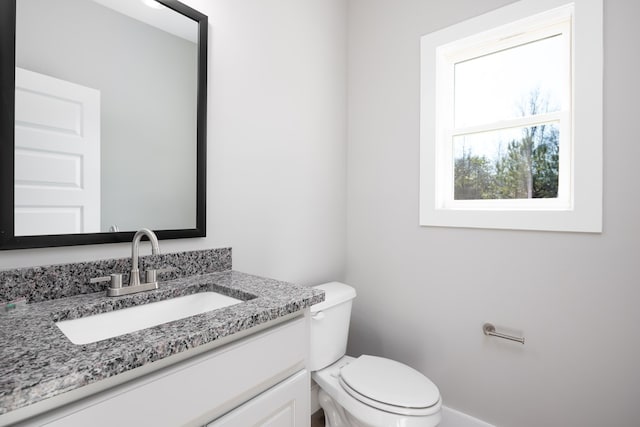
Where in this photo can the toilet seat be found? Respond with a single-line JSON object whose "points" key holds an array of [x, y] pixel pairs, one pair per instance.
{"points": [[354, 409], [390, 386]]}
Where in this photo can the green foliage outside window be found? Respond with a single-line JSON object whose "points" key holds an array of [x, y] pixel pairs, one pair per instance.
{"points": [[522, 168]]}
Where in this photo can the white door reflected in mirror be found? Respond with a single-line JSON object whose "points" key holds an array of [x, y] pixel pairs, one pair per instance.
{"points": [[57, 156]]}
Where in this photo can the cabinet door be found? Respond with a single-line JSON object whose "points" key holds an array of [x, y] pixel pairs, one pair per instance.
{"points": [[284, 405]]}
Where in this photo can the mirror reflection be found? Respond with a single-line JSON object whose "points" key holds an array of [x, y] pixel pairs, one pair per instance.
{"points": [[105, 117]]}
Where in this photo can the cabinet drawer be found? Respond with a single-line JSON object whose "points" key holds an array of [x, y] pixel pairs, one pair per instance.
{"points": [[202, 388]]}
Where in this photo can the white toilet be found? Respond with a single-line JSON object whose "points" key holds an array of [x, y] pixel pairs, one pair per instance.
{"points": [[367, 391]]}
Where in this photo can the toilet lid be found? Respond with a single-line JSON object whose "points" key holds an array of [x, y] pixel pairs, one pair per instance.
{"points": [[389, 385]]}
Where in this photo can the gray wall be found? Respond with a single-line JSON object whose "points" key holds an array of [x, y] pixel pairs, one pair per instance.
{"points": [[424, 293], [146, 79]]}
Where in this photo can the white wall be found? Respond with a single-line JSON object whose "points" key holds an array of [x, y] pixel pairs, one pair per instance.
{"points": [[276, 142], [424, 293], [279, 126]]}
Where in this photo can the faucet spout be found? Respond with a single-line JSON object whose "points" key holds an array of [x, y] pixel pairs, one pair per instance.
{"points": [[134, 278]]}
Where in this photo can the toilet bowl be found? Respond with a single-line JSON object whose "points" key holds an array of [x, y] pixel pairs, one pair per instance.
{"points": [[366, 391]]}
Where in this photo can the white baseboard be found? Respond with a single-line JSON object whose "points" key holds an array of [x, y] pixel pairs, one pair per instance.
{"points": [[453, 418]]}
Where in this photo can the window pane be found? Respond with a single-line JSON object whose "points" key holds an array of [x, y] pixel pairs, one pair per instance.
{"points": [[520, 81], [520, 163]]}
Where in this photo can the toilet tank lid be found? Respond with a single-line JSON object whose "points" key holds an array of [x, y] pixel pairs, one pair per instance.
{"points": [[334, 293]]}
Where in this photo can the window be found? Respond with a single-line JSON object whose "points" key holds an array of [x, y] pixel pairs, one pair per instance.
{"points": [[511, 120]]}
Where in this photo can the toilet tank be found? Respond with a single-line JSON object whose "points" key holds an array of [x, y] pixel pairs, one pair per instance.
{"points": [[330, 324]]}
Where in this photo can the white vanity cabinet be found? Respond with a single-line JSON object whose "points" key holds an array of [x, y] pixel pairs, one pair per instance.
{"points": [[259, 380]]}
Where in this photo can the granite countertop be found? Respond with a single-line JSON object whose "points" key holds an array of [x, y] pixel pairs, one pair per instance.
{"points": [[38, 362]]}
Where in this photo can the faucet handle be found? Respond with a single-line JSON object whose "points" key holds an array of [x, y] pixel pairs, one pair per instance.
{"points": [[116, 280], [99, 279], [151, 275]]}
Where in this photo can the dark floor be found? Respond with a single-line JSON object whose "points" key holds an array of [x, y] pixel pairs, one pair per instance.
{"points": [[317, 419]]}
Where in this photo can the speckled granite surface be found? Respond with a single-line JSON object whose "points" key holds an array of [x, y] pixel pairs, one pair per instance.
{"points": [[65, 280], [38, 362]]}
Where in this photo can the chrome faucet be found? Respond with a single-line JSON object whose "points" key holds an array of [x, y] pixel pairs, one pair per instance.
{"points": [[116, 288], [134, 277]]}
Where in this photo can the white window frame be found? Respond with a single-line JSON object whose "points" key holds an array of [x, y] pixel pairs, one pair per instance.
{"points": [[578, 206]]}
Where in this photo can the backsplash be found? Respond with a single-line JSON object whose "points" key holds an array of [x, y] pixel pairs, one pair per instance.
{"points": [[64, 280]]}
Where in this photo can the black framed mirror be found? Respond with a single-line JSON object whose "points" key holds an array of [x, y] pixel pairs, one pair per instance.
{"points": [[102, 121]]}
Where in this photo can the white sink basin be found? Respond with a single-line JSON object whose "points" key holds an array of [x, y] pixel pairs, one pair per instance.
{"points": [[101, 326]]}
